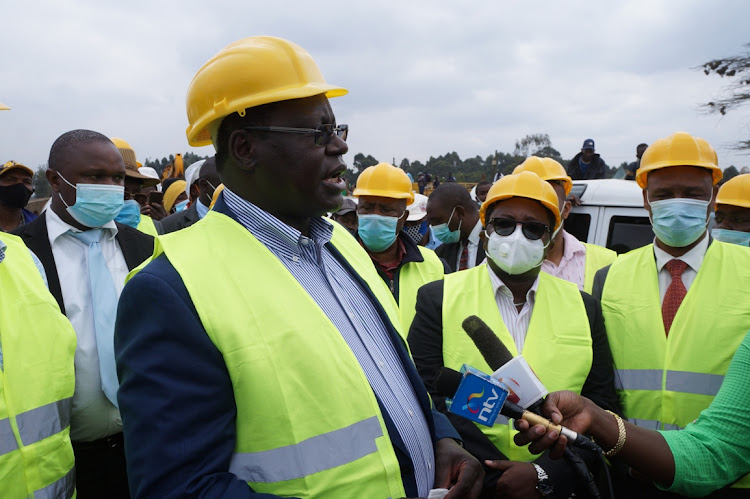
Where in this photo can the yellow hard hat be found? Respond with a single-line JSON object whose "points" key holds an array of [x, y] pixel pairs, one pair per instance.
{"points": [[679, 149], [735, 191], [522, 185], [248, 73], [547, 169], [217, 191], [3, 107], [386, 181]]}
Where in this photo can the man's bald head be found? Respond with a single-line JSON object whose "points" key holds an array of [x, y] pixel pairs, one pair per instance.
{"points": [[451, 203], [452, 194], [68, 142]]}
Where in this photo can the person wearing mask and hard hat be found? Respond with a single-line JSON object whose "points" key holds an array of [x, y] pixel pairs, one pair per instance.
{"points": [[675, 309], [384, 194], [290, 377], [142, 216], [568, 258], [86, 256], [37, 380], [454, 221], [206, 179], [558, 329], [733, 211], [16, 188]]}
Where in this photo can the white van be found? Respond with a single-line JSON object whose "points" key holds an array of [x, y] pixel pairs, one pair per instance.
{"points": [[611, 215]]}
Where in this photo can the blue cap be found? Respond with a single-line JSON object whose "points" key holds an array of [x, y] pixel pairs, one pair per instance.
{"points": [[588, 144]]}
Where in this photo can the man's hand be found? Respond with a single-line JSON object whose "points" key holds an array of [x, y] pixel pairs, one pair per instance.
{"points": [[517, 481], [457, 470], [154, 210], [574, 200]]}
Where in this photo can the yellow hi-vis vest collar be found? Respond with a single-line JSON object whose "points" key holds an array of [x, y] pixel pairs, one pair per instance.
{"points": [[308, 423], [596, 258], [37, 380], [146, 225], [557, 346], [413, 276], [664, 382]]}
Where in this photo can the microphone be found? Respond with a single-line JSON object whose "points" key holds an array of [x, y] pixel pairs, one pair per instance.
{"points": [[480, 398], [524, 386]]}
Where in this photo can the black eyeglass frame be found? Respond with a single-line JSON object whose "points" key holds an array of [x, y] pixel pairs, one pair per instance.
{"points": [[322, 133], [527, 227]]}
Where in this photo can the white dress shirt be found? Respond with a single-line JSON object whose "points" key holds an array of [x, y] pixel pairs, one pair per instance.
{"points": [[94, 416], [516, 322], [694, 259], [473, 242]]}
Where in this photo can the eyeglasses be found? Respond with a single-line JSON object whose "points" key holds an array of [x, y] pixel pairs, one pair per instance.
{"points": [[507, 226], [322, 134]]}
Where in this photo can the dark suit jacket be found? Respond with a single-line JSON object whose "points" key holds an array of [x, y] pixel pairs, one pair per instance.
{"points": [[176, 396], [135, 245], [426, 344], [180, 220], [449, 253]]}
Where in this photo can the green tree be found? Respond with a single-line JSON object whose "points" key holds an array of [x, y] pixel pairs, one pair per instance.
{"points": [[42, 189], [737, 92], [529, 145], [361, 162]]}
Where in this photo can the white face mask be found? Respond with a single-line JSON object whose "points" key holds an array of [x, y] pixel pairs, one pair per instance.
{"points": [[515, 254]]}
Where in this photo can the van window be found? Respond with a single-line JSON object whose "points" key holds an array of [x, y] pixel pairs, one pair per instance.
{"points": [[578, 224], [627, 233]]}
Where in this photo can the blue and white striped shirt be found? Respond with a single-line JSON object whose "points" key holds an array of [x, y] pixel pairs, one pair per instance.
{"points": [[349, 308]]}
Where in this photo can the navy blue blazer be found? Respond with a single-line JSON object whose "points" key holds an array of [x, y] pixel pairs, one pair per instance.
{"points": [[176, 397]]}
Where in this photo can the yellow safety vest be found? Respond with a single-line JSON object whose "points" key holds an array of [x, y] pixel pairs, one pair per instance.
{"points": [[37, 380], [664, 382], [411, 277], [308, 423], [597, 258], [557, 346], [146, 225]]}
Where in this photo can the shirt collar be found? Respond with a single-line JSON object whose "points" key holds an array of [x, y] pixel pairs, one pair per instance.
{"points": [[572, 246], [499, 287], [56, 227], [474, 236], [694, 257]]}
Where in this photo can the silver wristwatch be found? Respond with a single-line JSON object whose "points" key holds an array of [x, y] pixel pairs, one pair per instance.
{"points": [[543, 484]]}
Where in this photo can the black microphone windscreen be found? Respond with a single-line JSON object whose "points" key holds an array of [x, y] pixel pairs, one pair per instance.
{"points": [[447, 381], [495, 353]]}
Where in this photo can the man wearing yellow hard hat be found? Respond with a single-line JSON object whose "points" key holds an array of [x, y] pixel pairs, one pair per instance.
{"points": [[557, 328], [676, 310], [733, 211], [259, 351], [568, 258], [384, 193], [16, 188]]}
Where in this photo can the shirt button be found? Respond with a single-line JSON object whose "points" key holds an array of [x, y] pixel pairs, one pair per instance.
{"points": [[118, 421], [295, 258], [411, 413], [381, 363], [429, 466]]}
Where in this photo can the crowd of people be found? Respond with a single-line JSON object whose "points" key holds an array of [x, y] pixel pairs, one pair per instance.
{"points": [[248, 331]]}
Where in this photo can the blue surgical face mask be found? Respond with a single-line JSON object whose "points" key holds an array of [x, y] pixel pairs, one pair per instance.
{"points": [[96, 204], [377, 232], [731, 236], [679, 222], [130, 214], [181, 205], [444, 234]]}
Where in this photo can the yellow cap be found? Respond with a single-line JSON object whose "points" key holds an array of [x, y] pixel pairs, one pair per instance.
{"points": [[547, 169], [248, 73], [522, 185], [3, 107], [735, 191], [679, 149], [171, 194], [217, 191], [12, 165], [384, 180]]}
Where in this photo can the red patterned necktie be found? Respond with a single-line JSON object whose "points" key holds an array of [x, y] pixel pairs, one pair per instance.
{"points": [[675, 292], [463, 264]]}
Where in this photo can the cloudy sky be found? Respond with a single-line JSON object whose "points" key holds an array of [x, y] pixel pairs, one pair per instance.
{"points": [[425, 78]]}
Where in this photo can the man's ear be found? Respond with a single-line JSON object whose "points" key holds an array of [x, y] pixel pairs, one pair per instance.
{"points": [[566, 210], [53, 178], [242, 150]]}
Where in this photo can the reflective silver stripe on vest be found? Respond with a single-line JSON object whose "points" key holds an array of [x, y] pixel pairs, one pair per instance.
{"points": [[638, 379], [62, 488], [652, 424], [43, 422], [677, 381], [313, 455], [697, 383], [7, 438]]}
